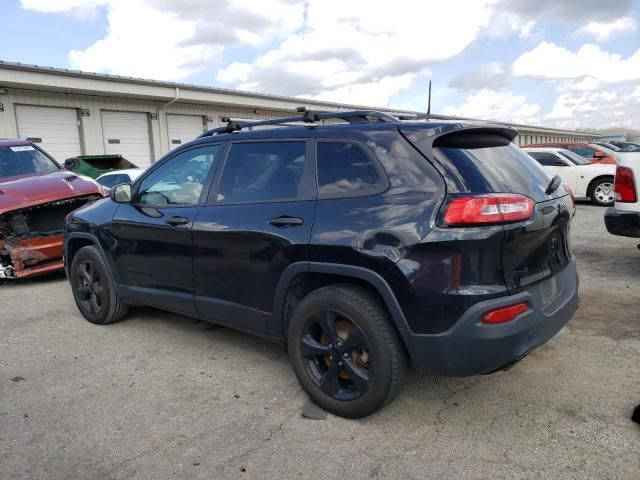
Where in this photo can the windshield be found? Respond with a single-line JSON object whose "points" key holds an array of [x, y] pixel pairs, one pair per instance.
{"points": [[23, 161], [574, 157]]}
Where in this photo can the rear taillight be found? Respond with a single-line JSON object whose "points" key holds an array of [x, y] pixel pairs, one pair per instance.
{"points": [[624, 186], [494, 208], [504, 314]]}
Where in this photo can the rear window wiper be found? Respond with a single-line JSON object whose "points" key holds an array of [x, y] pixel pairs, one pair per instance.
{"points": [[556, 181]]}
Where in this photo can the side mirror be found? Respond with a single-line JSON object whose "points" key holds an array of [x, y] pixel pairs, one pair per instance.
{"points": [[71, 163], [121, 193]]}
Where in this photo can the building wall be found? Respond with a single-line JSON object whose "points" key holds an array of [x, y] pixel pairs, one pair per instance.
{"points": [[90, 127], [92, 142]]}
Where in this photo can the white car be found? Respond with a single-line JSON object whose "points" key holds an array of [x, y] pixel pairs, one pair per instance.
{"points": [[586, 179], [624, 218], [117, 177]]}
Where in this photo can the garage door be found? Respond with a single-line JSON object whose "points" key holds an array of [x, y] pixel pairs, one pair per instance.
{"points": [[54, 129], [183, 128], [127, 134]]}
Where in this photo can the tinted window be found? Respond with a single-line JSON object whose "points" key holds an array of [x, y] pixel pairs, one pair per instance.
{"points": [[111, 181], [506, 169], [180, 180], [574, 157], [344, 168], [262, 171], [23, 160], [547, 159], [582, 151]]}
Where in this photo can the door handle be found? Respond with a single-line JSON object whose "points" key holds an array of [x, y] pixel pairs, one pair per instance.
{"points": [[286, 221], [176, 221]]}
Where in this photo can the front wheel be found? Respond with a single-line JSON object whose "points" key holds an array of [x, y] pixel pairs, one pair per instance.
{"points": [[601, 192], [345, 352], [93, 291]]}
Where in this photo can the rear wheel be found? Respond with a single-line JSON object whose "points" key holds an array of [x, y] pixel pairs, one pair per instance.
{"points": [[601, 192], [93, 291], [345, 352]]}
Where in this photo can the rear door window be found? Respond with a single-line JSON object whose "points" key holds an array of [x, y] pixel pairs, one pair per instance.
{"points": [[345, 169]]}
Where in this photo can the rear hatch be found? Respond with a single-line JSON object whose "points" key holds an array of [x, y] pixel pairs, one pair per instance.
{"points": [[480, 164]]}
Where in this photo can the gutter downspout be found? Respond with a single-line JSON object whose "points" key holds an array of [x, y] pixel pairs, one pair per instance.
{"points": [[162, 124]]}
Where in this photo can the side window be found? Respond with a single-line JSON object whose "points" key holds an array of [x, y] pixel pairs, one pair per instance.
{"points": [[180, 180], [548, 159], [344, 168], [582, 151], [262, 171], [111, 181]]}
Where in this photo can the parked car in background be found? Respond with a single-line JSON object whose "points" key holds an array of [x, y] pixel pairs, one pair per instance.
{"points": [[359, 246], [586, 179], [627, 146], [36, 194], [592, 152], [624, 217], [116, 177], [608, 146], [96, 165]]}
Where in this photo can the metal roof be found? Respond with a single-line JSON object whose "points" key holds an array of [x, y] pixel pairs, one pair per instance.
{"points": [[294, 100]]}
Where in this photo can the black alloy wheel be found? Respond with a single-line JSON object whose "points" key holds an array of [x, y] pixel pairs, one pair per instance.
{"points": [[93, 290], [345, 350], [89, 287], [336, 356]]}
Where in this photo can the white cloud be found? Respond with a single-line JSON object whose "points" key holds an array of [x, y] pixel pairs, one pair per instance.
{"points": [[361, 50], [601, 31], [84, 9], [173, 39], [490, 75], [549, 61], [492, 105], [616, 107]]}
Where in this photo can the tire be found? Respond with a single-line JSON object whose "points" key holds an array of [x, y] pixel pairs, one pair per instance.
{"points": [[93, 290], [364, 346], [601, 192]]}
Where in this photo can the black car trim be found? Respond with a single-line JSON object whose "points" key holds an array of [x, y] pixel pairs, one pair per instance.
{"points": [[369, 276]]}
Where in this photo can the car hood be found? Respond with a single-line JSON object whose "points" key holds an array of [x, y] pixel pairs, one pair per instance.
{"points": [[29, 191]]}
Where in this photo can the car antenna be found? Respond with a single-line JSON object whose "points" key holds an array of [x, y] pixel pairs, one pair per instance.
{"points": [[429, 102]]}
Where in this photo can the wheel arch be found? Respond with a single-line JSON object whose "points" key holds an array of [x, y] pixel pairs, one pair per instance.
{"points": [[77, 240], [291, 289], [594, 180]]}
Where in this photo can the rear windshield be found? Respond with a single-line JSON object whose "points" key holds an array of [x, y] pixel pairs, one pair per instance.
{"points": [[505, 169], [23, 161]]}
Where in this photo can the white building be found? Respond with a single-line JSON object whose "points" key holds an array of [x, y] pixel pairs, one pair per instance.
{"points": [[72, 113]]}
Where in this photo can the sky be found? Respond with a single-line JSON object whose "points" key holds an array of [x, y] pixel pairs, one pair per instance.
{"points": [[566, 64]]}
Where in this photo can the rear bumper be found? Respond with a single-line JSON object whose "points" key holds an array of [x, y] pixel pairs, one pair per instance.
{"points": [[625, 224], [471, 347]]}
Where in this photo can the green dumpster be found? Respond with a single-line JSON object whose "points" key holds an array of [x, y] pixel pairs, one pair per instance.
{"points": [[95, 165]]}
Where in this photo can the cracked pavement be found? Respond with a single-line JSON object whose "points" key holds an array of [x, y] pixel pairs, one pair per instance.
{"points": [[163, 396]]}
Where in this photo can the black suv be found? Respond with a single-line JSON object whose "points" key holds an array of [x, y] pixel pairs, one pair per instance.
{"points": [[359, 245]]}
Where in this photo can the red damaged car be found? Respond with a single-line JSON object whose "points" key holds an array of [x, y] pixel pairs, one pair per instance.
{"points": [[36, 194]]}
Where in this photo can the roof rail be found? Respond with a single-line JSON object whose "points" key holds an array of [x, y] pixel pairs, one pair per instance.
{"points": [[308, 116]]}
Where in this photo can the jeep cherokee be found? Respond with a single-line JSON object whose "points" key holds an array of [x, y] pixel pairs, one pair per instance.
{"points": [[361, 246]]}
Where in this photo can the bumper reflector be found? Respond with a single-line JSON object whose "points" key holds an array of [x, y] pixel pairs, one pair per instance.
{"points": [[505, 314]]}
